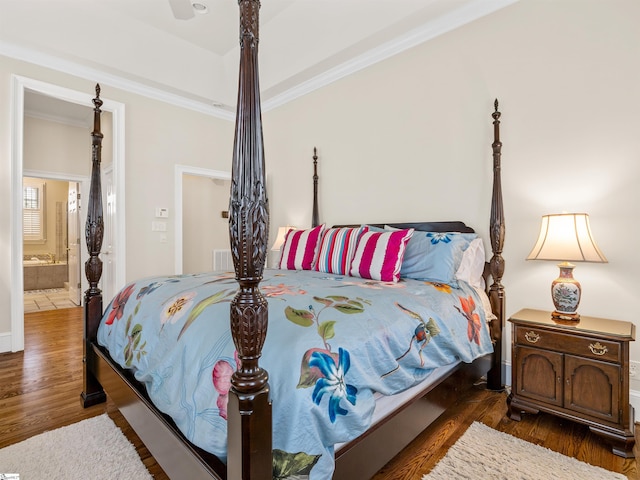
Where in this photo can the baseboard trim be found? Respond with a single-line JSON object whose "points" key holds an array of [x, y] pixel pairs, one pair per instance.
{"points": [[634, 400], [5, 342], [506, 371]]}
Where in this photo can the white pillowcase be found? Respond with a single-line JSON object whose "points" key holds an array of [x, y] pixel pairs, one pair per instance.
{"points": [[472, 264], [471, 270]]}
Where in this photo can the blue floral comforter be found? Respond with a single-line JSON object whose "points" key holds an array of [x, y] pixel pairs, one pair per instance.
{"points": [[332, 342]]}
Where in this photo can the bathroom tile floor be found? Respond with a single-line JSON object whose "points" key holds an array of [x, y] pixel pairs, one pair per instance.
{"points": [[51, 299]]}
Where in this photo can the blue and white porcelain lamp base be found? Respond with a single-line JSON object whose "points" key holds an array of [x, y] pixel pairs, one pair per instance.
{"points": [[566, 292]]}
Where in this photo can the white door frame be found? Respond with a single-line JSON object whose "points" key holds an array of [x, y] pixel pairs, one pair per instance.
{"points": [[109, 253], [18, 86], [180, 171], [74, 250]]}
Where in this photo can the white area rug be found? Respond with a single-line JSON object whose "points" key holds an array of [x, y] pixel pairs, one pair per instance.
{"points": [[484, 453], [93, 449]]}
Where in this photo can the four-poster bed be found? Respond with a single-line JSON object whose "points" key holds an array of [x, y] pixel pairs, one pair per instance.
{"points": [[245, 399]]}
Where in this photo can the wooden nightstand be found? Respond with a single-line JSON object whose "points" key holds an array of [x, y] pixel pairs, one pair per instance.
{"points": [[578, 370]]}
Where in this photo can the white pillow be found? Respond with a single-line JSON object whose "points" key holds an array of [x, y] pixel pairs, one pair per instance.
{"points": [[472, 264], [300, 248]]}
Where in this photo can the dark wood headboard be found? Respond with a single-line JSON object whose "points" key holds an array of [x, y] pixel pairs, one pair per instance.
{"points": [[453, 226]]}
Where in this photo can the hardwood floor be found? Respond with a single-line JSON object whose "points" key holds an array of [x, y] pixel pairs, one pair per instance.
{"points": [[40, 390], [40, 387]]}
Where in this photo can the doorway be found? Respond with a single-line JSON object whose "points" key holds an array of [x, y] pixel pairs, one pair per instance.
{"points": [[217, 181], [205, 234], [51, 248], [25, 90]]}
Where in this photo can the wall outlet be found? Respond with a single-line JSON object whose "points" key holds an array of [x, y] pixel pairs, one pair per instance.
{"points": [[634, 370]]}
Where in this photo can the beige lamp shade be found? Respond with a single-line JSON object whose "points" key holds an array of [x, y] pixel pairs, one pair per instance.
{"points": [[282, 231], [566, 237]]}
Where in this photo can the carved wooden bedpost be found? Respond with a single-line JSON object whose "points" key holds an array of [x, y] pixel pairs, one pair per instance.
{"points": [[315, 218], [249, 408], [92, 392], [496, 264]]}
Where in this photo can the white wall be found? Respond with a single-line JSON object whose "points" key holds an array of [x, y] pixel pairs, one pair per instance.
{"points": [[158, 137], [410, 139], [55, 147]]}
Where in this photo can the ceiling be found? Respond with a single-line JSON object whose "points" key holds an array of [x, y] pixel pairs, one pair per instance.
{"points": [[140, 46]]}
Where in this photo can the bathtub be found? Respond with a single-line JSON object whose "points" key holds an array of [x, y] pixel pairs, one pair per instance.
{"points": [[41, 274], [37, 261]]}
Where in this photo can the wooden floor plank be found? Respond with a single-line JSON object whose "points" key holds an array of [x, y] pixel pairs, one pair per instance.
{"points": [[40, 390]]}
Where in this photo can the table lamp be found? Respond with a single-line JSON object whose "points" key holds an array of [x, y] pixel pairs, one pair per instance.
{"points": [[277, 245], [566, 237], [282, 231]]}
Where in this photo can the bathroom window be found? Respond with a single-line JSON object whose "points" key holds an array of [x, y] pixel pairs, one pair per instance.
{"points": [[33, 211]]}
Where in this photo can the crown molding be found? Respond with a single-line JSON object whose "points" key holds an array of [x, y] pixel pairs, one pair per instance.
{"points": [[444, 24], [104, 78]]}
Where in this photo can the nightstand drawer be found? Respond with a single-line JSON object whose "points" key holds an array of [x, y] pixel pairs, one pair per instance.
{"points": [[582, 346]]}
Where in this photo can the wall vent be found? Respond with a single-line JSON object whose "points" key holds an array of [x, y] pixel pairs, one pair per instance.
{"points": [[222, 260]]}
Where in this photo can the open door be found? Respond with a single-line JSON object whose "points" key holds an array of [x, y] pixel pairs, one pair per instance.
{"points": [[109, 254], [73, 249]]}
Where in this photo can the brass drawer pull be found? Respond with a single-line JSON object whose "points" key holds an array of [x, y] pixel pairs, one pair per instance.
{"points": [[532, 337], [598, 349]]}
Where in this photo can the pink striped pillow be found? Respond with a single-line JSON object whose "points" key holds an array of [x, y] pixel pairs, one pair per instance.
{"points": [[337, 248], [298, 252], [379, 255]]}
